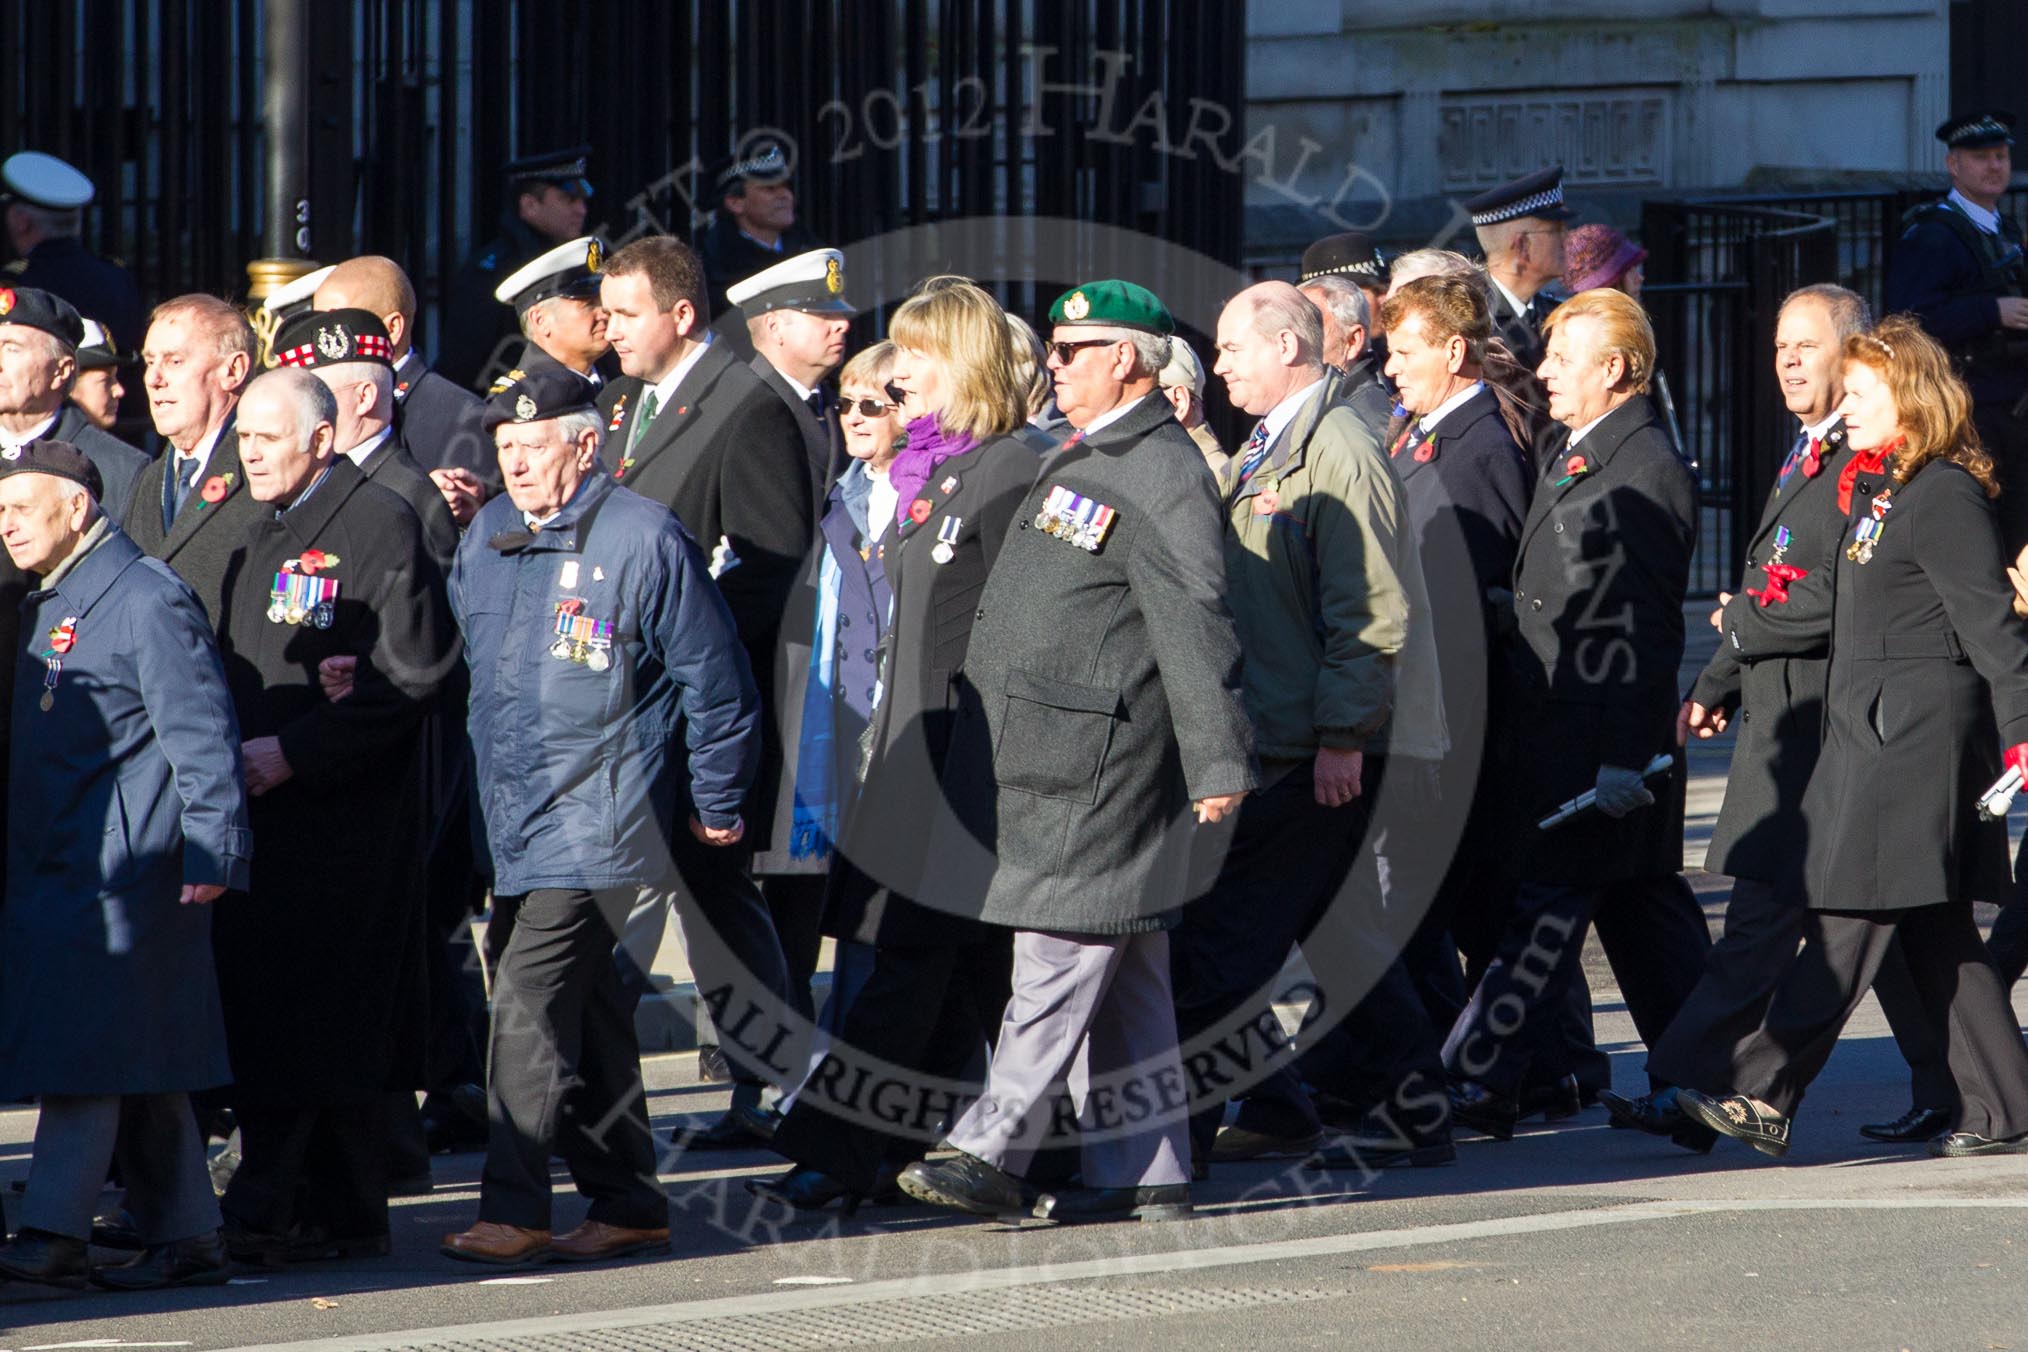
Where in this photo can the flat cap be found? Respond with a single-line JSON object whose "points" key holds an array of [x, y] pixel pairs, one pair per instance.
{"points": [[567, 270], [58, 458], [97, 351], [1539, 194], [37, 309], [1114, 305], [813, 282], [566, 168], [764, 161], [44, 181], [1976, 131], [1351, 253], [328, 337], [536, 396]]}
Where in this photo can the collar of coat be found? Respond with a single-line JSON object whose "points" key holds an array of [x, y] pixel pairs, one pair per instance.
{"points": [[1603, 441], [1143, 418], [306, 522], [683, 405], [561, 533], [92, 576], [1285, 455]]}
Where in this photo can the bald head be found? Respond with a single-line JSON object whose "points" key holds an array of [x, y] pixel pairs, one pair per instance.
{"points": [[371, 282], [1270, 344]]}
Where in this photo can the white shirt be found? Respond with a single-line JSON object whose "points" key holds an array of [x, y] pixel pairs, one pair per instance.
{"points": [[357, 455], [1520, 306], [35, 433], [1284, 413], [1113, 415], [1988, 221], [1428, 421], [881, 502], [664, 388], [1817, 433], [803, 392]]}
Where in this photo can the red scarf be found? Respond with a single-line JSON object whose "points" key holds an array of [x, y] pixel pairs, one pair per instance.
{"points": [[1862, 462]]}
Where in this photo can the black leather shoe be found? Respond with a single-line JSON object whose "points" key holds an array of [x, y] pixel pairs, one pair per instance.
{"points": [[805, 1190], [742, 1128], [198, 1261], [1644, 1114], [115, 1230], [1244, 1143], [1556, 1100], [1165, 1202], [1917, 1124], [1483, 1110], [1964, 1144], [40, 1258], [1740, 1117], [967, 1183]]}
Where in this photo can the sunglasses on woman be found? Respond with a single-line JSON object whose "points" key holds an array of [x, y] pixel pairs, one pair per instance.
{"points": [[868, 408]]}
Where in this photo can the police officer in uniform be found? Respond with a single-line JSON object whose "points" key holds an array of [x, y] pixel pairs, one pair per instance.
{"points": [[754, 226], [556, 302], [546, 197], [45, 200], [1959, 269], [1520, 227]]}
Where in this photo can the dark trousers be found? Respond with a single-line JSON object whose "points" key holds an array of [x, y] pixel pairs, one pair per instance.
{"points": [[1653, 934], [156, 1143], [796, 905], [927, 1010], [565, 1070], [1954, 986], [1746, 966], [315, 1166]]}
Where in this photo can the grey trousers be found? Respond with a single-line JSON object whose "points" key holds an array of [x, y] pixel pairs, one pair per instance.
{"points": [[161, 1156], [1092, 1013]]}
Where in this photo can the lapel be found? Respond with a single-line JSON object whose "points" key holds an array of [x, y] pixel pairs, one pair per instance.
{"points": [[686, 398], [1285, 452], [93, 576], [222, 464], [305, 523], [380, 455], [1780, 503], [1597, 448], [1454, 426], [944, 487]]}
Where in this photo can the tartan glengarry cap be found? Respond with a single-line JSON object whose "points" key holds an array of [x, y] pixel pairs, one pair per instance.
{"points": [[1352, 254], [1978, 130], [328, 337], [1115, 305], [58, 458], [1539, 194], [536, 396], [34, 308]]}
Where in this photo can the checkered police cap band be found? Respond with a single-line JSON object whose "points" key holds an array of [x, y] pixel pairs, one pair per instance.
{"points": [[1365, 267], [1985, 129], [1526, 206]]}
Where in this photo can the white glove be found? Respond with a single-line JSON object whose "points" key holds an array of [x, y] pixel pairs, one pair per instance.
{"points": [[1621, 791], [723, 560]]}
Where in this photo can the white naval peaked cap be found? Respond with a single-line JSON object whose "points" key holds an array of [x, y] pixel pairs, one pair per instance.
{"points": [[45, 181], [813, 282], [567, 270], [296, 293]]}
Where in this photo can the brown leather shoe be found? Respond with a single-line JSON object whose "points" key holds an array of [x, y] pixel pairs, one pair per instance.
{"points": [[501, 1245], [595, 1241]]}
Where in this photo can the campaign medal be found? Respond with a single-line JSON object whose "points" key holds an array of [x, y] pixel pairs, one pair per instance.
{"points": [[62, 638], [581, 639], [1781, 545], [1075, 519], [299, 593], [1867, 535], [947, 539]]}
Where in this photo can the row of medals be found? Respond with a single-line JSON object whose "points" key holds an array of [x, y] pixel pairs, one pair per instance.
{"points": [[317, 616], [598, 658]]}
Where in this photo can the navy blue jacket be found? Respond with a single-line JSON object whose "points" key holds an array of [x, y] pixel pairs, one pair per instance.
{"points": [[578, 768], [124, 788], [1938, 277]]}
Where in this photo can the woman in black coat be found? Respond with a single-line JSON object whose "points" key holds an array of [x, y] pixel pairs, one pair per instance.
{"points": [[1928, 681], [939, 982]]}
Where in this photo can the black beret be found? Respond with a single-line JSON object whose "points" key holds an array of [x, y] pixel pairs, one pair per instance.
{"points": [[327, 337], [58, 458], [1351, 253], [536, 396], [37, 309]]}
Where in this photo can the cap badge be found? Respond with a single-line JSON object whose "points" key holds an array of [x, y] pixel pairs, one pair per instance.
{"points": [[834, 276], [1077, 307], [333, 341], [593, 256], [524, 408]]}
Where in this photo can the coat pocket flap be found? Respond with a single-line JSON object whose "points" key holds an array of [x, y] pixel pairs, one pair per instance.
{"points": [[1058, 694]]}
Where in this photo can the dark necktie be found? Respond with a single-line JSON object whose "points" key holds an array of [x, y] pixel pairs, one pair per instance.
{"points": [[816, 403], [1804, 444], [649, 408], [177, 486]]}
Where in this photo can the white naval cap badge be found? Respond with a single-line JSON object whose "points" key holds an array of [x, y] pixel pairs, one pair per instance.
{"points": [[333, 341], [524, 408], [1077, 307]]}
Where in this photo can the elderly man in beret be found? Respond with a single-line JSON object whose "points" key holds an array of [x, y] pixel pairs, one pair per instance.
{"points": [[39, 338], [1099, 704], [127, 819], [610, 699]]}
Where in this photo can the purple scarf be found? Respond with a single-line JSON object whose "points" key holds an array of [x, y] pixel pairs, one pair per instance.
{"points": [[928, 447]]}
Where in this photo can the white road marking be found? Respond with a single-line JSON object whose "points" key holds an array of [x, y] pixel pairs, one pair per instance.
{"points": [[515, 1281], [813, 1281]]}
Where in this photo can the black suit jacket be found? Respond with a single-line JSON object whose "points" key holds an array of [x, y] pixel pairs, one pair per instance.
{"points": [[822, 440], [439, 422], [1772, 666], [204, 542], [1599, 581]]}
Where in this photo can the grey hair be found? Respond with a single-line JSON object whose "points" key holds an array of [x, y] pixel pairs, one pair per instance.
{"points": [[575, 425], [1280, 309], [1428, 263], [314, 403], [1151, 350], [1031, 363], [1344, 298], [1849, 311], [371, 372]]}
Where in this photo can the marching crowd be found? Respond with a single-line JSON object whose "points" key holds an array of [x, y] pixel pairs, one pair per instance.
{"points": [[975, 651]]}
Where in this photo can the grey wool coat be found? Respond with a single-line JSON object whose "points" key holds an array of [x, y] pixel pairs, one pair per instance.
{"points": [[1099, 697]]}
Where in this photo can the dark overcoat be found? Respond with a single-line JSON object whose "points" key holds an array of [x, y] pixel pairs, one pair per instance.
{"points": [[204, 541], [1928, 680], [1599, 582], [1770, 673], [972, 500], [823, 439], [118, 464], [392, 466], [125, 787], [320, 961], [1100, 698], [441, 423]]}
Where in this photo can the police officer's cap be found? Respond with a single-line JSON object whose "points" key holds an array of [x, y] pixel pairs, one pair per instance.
{"points": [[536, 396], [328, 337], [567, 270], [564, 168], [1351, 254], [763, 162], [44, 181], [1977, 131], [293, 296], [1539, 194], [58, 458], [1113, 305], [97, 351], [813, 282], [36, 309]]}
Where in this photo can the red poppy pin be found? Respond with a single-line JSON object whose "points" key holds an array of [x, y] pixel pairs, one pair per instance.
{"points": [[215, 488], [1571, 469], [313, 561], [1425, 453], [919, 510], [573, 606], [63, 637]]}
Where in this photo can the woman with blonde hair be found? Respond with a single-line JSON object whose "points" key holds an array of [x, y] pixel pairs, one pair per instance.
{"points": [[1928, 681], [938, 982]]}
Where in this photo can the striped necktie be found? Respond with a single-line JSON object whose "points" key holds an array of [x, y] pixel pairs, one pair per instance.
{"points": [[1256, 451]]}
